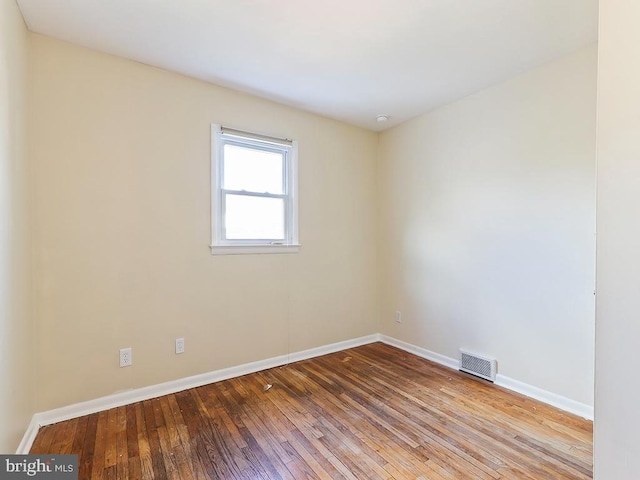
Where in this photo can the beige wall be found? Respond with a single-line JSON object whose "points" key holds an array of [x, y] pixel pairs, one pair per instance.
{"points": [[488, 227], [122, 218], [17, 339], [617, 449]]}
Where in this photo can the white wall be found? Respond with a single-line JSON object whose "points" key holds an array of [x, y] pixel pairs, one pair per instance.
{"points": [[487, 227], [617, 445], [121, 156], [17, 339]]}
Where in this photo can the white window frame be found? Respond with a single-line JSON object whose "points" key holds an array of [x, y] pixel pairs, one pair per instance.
{"points": [[289, 148]]}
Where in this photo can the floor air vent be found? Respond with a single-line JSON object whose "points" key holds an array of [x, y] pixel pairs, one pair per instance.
{"points": [[482, 367]]}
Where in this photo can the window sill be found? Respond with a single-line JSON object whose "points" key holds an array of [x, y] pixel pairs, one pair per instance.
{"points": [[253, 249]]}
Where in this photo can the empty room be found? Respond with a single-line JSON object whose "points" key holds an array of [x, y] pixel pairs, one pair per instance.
{"points": [[325, 240]]}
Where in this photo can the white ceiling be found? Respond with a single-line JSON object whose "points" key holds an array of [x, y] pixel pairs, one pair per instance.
{"points": [[346, 59]]}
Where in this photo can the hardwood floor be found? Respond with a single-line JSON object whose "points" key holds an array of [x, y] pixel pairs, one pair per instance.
{"points": [[372, 412]]}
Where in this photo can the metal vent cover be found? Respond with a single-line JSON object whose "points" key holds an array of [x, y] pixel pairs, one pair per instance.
{"points": [[483, 367]]}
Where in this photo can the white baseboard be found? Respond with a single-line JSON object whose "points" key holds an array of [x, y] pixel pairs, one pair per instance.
{"points": [[332, 348], [563, 403], [550, 398], [145, 393], [420, 352], [28, 437]]}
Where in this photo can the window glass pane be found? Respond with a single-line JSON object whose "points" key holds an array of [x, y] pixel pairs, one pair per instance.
{"points": [[254, 218], [252, 170]]}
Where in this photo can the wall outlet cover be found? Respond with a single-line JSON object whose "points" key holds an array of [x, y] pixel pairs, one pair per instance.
{"points": [[126, 357]]}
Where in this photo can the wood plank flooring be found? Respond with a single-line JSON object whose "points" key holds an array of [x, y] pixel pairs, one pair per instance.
{"points": [[372, 412]]}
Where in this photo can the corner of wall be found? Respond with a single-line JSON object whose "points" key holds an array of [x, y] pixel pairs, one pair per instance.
{"points": [[17, 351]]}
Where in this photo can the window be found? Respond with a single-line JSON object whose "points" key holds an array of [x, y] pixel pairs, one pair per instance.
{"points": [[253, 195]]}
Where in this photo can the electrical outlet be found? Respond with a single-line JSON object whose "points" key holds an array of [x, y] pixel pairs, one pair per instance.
{"points": [[398, 316], [126, 358], [179, 345]]}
